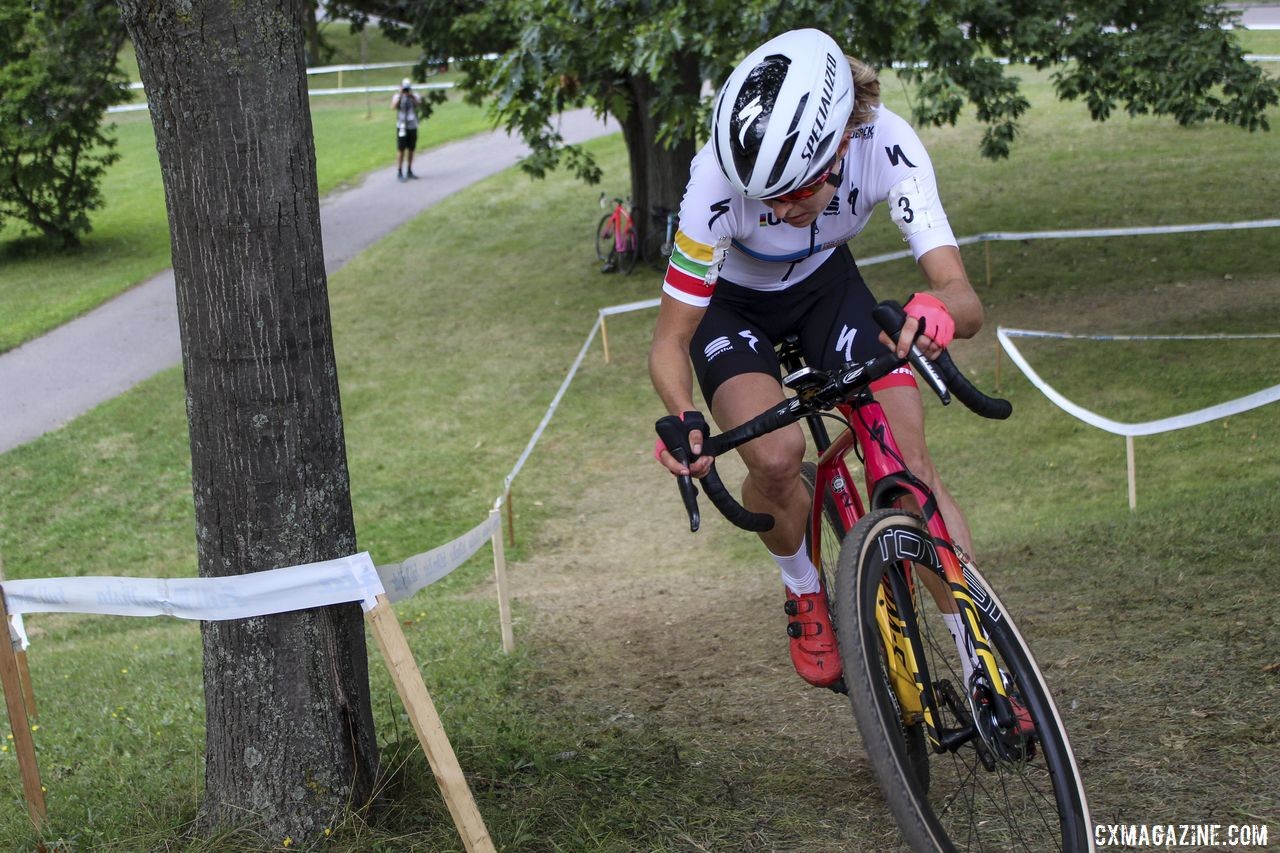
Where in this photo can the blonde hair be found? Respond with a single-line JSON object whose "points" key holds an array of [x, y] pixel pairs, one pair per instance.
{"points": [[866, 93]]}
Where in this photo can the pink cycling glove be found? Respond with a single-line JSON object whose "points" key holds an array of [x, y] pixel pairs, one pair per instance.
{"points": [[938, 324]]}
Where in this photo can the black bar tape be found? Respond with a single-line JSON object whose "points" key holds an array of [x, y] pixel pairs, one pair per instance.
{"points": [[757, 522], [974, 400]]}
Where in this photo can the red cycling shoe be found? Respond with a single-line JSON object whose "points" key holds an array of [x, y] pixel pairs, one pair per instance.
{"points": [[813, 643]]}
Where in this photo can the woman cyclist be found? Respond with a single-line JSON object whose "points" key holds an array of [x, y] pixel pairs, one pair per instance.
{"points": [[801, 150]]}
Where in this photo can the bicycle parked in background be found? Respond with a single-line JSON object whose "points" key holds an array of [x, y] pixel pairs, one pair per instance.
{"points": [[662, 236], [616, 242], [968, 748]]}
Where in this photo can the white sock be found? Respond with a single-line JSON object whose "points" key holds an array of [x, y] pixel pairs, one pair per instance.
{"points": [[955, 626], [798, 572]]}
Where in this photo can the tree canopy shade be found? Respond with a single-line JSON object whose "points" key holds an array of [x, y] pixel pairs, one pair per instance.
{"points": [[646, 62], [290, 744], [58, 75]]}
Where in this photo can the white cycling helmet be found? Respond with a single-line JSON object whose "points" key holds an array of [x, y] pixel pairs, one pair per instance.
{"points": [[779, 117]]}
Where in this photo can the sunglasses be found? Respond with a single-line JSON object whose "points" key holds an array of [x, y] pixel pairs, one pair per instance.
{"points": [[808, 190]]}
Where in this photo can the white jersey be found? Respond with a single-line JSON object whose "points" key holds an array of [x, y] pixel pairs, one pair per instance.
{"points": [[723, 233]]}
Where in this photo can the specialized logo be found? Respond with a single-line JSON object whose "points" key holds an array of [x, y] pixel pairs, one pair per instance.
{"points": [[747, 117], [824, 108], [844, 343], [717, 347], [718, 209], [895, 154], [751, 339]]}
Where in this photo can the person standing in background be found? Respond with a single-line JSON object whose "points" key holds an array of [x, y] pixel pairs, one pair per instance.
{"points": [[406, 103]]}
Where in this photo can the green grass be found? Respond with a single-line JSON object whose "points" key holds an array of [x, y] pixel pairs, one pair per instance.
{"points": [[40, 288], [1154, 626]]}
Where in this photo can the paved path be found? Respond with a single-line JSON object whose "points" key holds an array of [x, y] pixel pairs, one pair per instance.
{"points": [[1262, 17], [52, 379]]}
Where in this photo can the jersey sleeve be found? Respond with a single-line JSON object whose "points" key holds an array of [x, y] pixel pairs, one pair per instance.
{"points": [[910, 188], [707, 217]]}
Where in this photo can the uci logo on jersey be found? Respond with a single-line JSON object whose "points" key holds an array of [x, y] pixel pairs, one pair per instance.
{"points": [[767, 218]]}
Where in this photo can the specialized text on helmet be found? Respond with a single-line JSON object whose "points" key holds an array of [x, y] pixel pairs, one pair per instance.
{"points": [[824, 108]]}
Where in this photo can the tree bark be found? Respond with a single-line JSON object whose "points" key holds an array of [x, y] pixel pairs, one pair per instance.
{"points": [[658, 173], [290, 740]]}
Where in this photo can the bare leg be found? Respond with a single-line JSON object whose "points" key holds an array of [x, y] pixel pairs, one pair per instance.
{"points": [[773, 461]]}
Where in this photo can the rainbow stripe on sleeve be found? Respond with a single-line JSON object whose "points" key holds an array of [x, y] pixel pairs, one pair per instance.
{"points": [[690, 274]]}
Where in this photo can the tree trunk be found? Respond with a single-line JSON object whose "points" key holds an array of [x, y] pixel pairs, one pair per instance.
{"points": [[290, 740], [658, 173]]}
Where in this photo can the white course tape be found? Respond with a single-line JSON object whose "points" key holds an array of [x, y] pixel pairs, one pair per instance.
{"points": [[1121, 232], [17, 633], [1190, 419], [630, 306], [1028, 333], [551, 409], [350, 578], [402, 580]]}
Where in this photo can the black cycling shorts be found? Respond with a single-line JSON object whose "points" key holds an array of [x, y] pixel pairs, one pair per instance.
{"points": [[406, 138], [830, 311]]}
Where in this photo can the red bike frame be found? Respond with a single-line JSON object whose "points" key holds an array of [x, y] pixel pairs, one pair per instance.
{"points": [[620, 220], [888, 483]]}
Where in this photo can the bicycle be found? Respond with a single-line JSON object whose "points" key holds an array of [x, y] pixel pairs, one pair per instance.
{"points": [[982, 763], [662, 236], [616, 242]]}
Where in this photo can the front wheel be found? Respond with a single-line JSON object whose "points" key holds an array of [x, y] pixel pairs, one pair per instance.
{"points": [[983, 788]]}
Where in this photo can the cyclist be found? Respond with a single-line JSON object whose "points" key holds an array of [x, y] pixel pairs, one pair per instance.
{"points": [[801, 150]]}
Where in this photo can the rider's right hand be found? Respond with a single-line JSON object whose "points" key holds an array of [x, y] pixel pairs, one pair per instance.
{"points": [[692, 428]]}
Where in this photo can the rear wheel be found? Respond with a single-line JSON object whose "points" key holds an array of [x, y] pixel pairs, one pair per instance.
{"points": [[604, 238], [989, 789], [630, 252]]}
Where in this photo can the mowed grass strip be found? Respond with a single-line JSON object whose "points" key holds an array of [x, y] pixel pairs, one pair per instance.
{"points": [[453, 335]]}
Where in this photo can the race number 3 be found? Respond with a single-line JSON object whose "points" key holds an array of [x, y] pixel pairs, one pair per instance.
{"points": [[909, 207]]}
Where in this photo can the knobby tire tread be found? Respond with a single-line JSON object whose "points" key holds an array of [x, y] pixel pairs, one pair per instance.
{"points": [[861, 650]]}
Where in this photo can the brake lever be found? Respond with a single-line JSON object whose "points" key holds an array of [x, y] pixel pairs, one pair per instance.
{"points": [[671, 431], [892, 318], [688, 491]]}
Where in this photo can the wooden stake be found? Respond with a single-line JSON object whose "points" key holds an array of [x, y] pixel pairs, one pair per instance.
{"points": [[24, 673], [19, 725], [604, 338], [426, 722], [986, 250], [500, 575], [998, 354], [1133, 479]]}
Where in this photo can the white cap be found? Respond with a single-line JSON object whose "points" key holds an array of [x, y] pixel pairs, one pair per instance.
{"points": [[405, 83]]}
